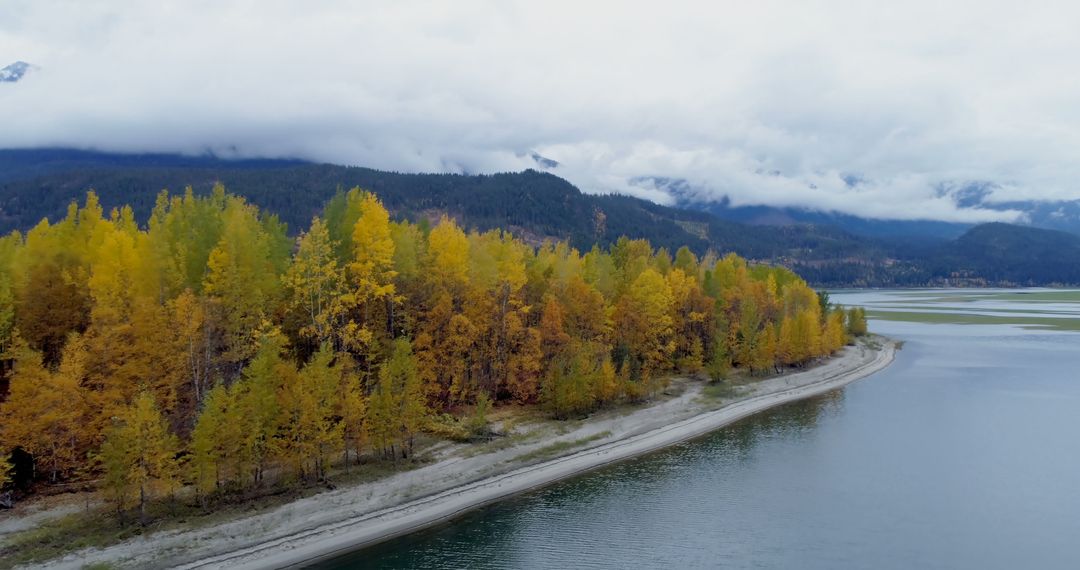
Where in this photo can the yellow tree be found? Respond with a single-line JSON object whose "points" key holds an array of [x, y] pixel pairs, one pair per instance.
{"points": [[764, 355], [241, 279], [401, 389], [5, 468], [585, 315], [856, 321], [128, 348], [257, 402], [381, 419], [310, 424], [353, 412], [316, 285], [643, 325], [188, 332], [448, 251], [139, 455], [525, 360], [789, 350], [209, 447], [691, 319], [46, 414], [371, 272], [833, 337]]}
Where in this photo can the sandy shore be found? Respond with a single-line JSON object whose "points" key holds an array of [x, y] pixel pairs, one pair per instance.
{"points": [[338, 521]]}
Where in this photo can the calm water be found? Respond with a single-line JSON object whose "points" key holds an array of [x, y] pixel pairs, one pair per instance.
{"points": [[963, 454]]}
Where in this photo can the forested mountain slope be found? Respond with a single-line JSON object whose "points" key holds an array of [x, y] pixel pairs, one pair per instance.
{"points": [[535, 206]]}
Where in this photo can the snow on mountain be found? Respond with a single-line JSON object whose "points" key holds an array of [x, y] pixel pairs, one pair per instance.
{"points": [[16, 71]]}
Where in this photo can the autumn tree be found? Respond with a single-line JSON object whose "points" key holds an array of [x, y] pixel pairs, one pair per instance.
{"points": [[643, 324], [210, 442], [46, 413], [310, 428], [316, 284], [371, 274], [856, 321], [139, 456], [5, 468], [399, 377], [268, 356], [242, 279]]}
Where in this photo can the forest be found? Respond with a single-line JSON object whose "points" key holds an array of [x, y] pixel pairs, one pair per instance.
{"points": [[206, 352]]}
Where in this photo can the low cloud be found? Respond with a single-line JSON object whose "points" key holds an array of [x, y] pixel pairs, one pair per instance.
{"points": [[832, 105]]}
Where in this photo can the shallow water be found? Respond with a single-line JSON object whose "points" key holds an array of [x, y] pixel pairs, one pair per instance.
{"points": [[964, 453]]}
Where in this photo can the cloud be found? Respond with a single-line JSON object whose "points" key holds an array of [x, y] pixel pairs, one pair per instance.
{"points": [[779, 103]]}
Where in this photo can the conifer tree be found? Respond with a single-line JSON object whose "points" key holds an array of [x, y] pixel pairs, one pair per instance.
{"points": [[208, 445], [139, 456]]}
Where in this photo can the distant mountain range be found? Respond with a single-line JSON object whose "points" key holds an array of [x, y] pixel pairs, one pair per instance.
{"points": [[15, 71], [827, 249], [1063, 215]]}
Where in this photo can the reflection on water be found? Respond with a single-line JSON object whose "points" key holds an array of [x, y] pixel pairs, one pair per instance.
{"points": [[962, 454]]}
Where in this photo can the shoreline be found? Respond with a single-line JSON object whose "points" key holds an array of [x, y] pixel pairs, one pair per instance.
{"points": [[331, 524]]}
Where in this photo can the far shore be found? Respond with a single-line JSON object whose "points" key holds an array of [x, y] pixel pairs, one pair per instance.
{"points": [[335, 522]]}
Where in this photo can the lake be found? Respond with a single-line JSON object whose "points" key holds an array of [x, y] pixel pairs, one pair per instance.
{"points": [[962, 454]]}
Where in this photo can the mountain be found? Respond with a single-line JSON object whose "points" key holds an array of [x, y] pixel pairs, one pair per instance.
{"points": [[538, 206], [911, 230], [15, 71], [1017, 255], [1061, 215]]}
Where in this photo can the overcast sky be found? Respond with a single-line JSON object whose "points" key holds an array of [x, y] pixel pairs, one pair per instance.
{"points": [[764, 102]]}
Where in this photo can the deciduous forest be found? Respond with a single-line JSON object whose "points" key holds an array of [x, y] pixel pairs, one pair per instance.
{"points": [[205, 352]]}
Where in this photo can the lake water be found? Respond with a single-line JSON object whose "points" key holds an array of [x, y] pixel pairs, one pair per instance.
{"points": [[965, 453]]}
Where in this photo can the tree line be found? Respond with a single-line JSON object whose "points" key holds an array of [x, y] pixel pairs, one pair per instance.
{"points": [[206, 348]]}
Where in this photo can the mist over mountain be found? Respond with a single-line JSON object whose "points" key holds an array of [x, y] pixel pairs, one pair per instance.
{"points": [[1063, 215]]}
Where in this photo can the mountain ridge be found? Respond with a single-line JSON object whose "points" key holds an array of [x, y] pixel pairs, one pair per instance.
{"points": [[536, 205]]}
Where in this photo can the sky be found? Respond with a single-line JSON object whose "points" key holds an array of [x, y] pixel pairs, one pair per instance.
{"points": [[878, 109]]}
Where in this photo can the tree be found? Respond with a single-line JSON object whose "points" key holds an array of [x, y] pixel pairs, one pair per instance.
{"points": [[311, 427], [269, 355], [525, 358], [643, 323], [46, 413], [316, 285], [764, 354], [5, 468], [856, 321], [51, 305], [352, 409], [242, 279], [381, 419], [209, 445], [373, 258], [833, 336], [191, 343], [258, 405], [139, 456], [448, 249], [409, 404]]}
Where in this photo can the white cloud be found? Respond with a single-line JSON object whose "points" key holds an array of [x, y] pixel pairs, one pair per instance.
{"points": [[765, 102]]}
